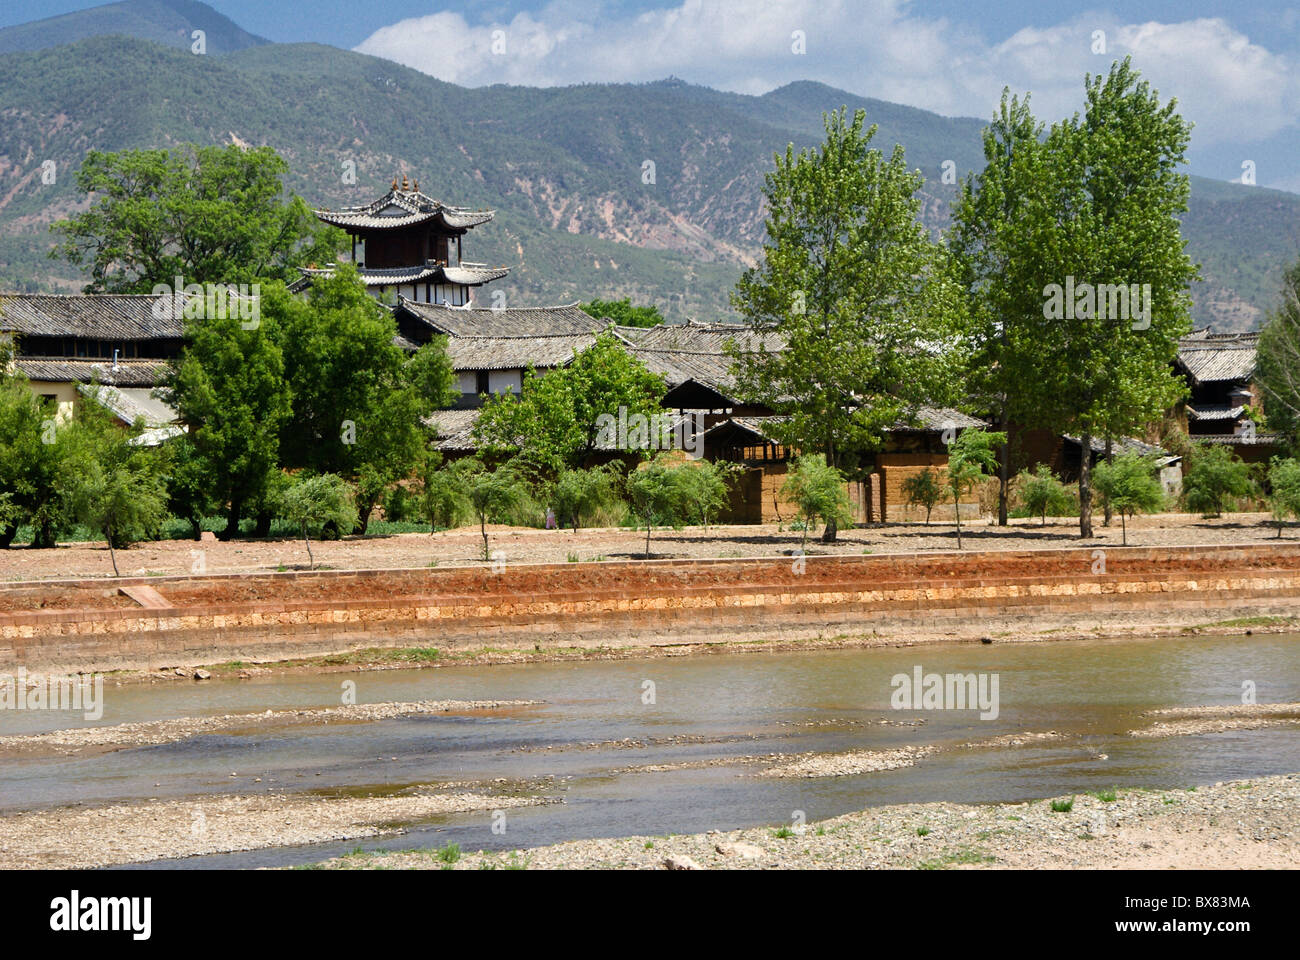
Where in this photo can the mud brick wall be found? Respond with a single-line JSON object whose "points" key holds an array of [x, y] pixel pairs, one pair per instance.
{"points": [[88, 625]]}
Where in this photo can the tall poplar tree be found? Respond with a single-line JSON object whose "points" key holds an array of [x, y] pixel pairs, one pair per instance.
{"points": [[867, 307]]}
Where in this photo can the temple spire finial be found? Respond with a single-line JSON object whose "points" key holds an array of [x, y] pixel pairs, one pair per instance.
{"points": [[406, 185], [394, 183]]}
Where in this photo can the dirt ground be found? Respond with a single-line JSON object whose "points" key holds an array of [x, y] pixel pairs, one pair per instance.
{"points": [[528, 545]]}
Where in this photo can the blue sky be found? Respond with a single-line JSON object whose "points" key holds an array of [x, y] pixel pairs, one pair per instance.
{"points": [[1235, 68]]}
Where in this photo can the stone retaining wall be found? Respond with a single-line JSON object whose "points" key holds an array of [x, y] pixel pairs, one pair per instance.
{"points": [[637, 603]]}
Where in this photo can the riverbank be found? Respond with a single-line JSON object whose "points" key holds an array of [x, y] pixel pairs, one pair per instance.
{"points": [[135, 624], [464, 546], [1241, 825]]}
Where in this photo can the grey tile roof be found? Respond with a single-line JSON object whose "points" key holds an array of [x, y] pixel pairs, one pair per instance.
{"points": [[402, 208], [1213, 358], [429, 272], [127, 373], [108, 316], [505, 322], [1122, 445], [452, 429], [130, 405], [516, 353], [1214, 412]]}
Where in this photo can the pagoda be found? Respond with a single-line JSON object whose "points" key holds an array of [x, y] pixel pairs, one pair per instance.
{"points": [[408, 243]]}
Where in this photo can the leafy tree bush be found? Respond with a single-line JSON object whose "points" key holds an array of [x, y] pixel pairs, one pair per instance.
{"points": [[819, 491], [579, 494], [555, 422], [228, 386], [1042, 493], [624, 313], [972, 455], [1214, 477], [709, 488], [312, 503], [445, 498], [493, 495], [34, 464], [113, 486], [1129, 484], [924, 489], [659, 491], [1284, 490], [210, 214]]}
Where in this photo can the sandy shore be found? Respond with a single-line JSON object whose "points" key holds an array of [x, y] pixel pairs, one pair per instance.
{"points": [[117, 736], [529, 545], [1247, 824], [70, 838]]}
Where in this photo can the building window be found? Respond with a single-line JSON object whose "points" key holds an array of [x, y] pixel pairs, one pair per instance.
{"points": [[482, 381]]}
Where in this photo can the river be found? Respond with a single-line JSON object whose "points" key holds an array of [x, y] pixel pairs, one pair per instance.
{"points": [[702, 708]]}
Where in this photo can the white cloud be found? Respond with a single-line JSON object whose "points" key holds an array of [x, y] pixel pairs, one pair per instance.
{"points": [[1232, 88]]}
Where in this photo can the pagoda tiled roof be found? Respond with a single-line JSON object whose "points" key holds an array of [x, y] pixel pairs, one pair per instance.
{"points": [[403, 208], [472, 275]]}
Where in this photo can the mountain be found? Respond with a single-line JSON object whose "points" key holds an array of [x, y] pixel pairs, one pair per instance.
{"points": [[169, 22], [562, 166]]}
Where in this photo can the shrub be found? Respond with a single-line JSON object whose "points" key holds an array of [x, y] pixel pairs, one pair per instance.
{"points": [[311, 504], [819, 491], [1130, 485], [1213, 478], [1284, 490], [923, 489], [1042, 493]]}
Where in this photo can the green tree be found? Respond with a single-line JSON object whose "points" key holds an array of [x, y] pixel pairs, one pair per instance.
{"points": [[358, 400], [578, 494], [559, 420], [1278, 361], [1042, 493], [624, 313], [820, 492], [445, 497], [34, 464], [924, 489], [972, 456], [189, 488], [1091, 212], [1214, 476], [999, 271], [849, 283], [313, 503], [114, 486], [658, 491], [1284, 490], [208, 214], [493, 495], [709, 486], [228, 386], [1129, 484]]}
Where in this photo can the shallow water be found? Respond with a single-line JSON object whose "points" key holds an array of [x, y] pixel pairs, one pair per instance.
{"points": [[739, 704]]}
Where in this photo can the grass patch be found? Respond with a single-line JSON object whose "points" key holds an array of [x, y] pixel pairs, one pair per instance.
{"points": [[922, 831], [448, 854], [966, 855], [1106, 796], [783, 833], [1254, 622], [1063, 806]]}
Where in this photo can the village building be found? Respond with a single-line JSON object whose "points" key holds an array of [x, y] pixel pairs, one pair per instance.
{"points": [[113, 348], [407, 244], [1223, 396]]}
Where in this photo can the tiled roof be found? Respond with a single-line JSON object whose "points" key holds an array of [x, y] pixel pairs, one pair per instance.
{"points": [[680, 352], [1122, 445], [429, 272], [1214, 412], [130, 404], [108, 316], [504, 322], [1212, 358], [452, 429], [402, 208], [126, 373], [1255, 440], [516, 353]]}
